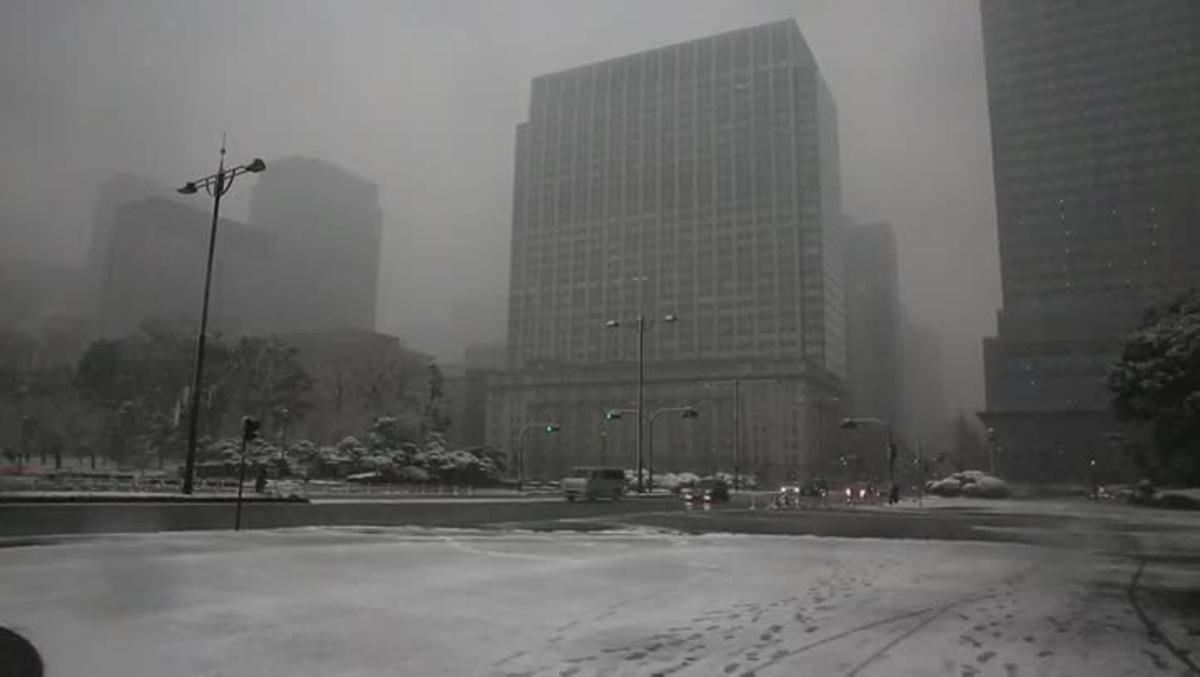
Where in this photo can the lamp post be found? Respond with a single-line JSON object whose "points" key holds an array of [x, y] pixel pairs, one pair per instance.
{"points": [[550, 428], [215, 185], [889, 450], [641, 325], [686, 412]]}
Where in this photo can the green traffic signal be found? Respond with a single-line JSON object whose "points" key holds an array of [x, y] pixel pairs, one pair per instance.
{"points": [[612, 414], [551, 428]]}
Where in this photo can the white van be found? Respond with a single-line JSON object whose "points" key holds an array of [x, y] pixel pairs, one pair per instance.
{"points": [[593, 483]]}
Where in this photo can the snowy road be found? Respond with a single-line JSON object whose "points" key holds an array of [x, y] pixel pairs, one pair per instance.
{"points": [[321, 601]]}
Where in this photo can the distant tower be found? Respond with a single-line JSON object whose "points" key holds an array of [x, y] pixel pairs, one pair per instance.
{"points": [[328, 227], [114, 192], [700, 178], [873, 319]]}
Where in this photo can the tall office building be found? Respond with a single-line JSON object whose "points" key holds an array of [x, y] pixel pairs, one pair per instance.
{"points": [[873, 327], [114, 192], [700, 180], [328, 229], [154, 270], [923, 413], [1095, 113]]}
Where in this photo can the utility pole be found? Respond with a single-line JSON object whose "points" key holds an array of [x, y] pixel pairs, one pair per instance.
{"points": [[641, 383], [920, 476], [737, 434]]}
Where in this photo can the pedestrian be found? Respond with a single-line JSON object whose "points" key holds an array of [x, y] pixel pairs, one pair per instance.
{"points": [[895, 494], [260, 482]]}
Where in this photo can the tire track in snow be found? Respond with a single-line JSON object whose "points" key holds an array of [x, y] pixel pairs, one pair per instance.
{"points": [[1152, 629]]}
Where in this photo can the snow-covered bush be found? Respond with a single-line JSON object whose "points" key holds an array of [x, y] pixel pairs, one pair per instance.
{"points": [[972, 483], [944, 487], [411, 474]]}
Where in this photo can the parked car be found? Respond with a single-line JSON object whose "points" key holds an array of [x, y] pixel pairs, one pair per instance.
{"points": [[593, 483], [708, 491]]}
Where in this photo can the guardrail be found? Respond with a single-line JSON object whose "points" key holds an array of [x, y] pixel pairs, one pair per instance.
{"points": [[111, 484]]}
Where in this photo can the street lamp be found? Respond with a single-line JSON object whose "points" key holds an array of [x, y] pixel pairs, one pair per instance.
{"points": [[641, 325], [215, 185], [889, 450], [684, 412], [549, 428]]}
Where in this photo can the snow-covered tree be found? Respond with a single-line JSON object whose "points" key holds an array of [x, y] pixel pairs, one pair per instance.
{"points": [[1156, 382]]}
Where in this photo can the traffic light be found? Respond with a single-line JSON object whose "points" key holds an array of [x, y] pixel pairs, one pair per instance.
{"points": [[551, 428], [250, 428], [612, 415], [690, 413]]}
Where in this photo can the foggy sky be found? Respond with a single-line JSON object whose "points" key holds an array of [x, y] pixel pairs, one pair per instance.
{"points": [[422, 97]]}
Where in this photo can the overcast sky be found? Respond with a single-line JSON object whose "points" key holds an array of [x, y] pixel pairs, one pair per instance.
{"points": [[422, 97]]}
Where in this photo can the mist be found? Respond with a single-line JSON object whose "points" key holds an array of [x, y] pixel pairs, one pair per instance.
{"points": [[422, 98]]}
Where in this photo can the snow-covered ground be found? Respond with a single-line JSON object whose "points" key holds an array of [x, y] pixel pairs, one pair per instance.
{"points": [[345, 601]]}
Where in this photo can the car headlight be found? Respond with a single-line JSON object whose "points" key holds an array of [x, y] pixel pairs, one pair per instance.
{"points": [[849, 492], [862, 493]]}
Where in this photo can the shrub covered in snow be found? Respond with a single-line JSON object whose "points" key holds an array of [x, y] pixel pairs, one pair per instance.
{"points": [[944, 487], [973, 483]]}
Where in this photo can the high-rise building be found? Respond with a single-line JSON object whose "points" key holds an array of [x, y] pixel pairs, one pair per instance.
{"points": [[922, 412], [328, 229], [873, 320], [699, 180], [155, 270], [1095, 114], [113, 193]]}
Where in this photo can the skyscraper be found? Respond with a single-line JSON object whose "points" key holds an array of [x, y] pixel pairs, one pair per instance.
{"points": [[1095, 112], [328, 228], [113, 193], [154, 270], [701, 180], [873, 327]]}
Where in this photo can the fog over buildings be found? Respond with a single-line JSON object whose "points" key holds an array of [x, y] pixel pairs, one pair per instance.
{"points": [[420, 99]]}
